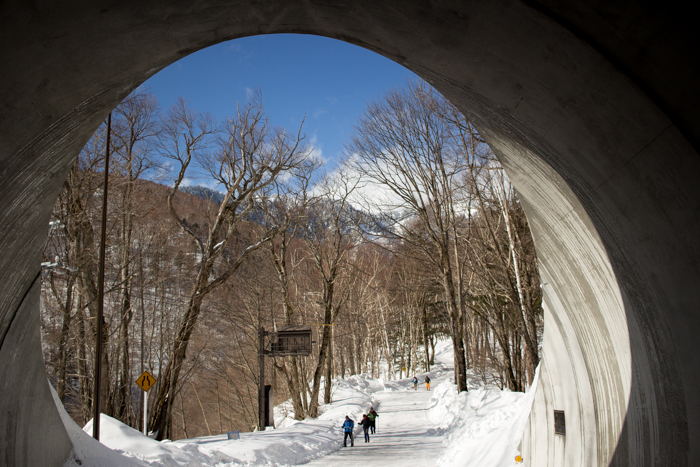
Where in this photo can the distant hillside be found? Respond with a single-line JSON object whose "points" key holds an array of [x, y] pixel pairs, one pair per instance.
{"points": [[323, 209], [204, 193]]}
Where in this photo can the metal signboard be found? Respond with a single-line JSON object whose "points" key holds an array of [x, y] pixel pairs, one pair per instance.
{"points": [[290, 341], [146, 381], [559, 423]]}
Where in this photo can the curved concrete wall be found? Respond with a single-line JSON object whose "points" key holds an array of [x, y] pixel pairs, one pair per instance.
{"points": [[593, 110]]}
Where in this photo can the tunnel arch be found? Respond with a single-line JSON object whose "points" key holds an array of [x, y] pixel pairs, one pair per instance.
{"points": [[596, 139]]}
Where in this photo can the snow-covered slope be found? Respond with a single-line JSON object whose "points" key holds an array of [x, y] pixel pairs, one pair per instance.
{"points": [[438, 428], [483, 427]]}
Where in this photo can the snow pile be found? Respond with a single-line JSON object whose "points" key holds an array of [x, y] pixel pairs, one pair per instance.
{"points": [[292, 445], [295, 442], [132, 443], [86, 450], [483, 426], [352, 396]]}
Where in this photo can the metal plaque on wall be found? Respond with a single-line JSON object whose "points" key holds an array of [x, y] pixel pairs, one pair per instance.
{"points": [[559, 423]]}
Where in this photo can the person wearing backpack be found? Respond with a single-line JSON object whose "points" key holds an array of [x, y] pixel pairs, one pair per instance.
{"points": [[415, 383], [372, 415], [366, 423], [427, 383], [348, 426]]}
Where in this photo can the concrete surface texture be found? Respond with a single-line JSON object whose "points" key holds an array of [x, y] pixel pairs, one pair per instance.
{"points": [[591, 106]]}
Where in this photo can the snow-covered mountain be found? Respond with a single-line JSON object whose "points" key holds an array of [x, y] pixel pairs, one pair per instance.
{"points": [[204, 193]]}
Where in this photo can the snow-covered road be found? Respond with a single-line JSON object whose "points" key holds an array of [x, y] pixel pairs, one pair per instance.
{"points": [[404, 434], [481, 428]]}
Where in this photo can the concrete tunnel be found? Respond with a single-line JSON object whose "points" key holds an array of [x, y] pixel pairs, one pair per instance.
{"points": [[592, 107]]}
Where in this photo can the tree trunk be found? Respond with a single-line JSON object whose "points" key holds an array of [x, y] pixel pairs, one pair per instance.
{"points": [[320, 366], [84, 385], [329, 370], [292, 379], [161, 416], [298, 390], [66, 309], [456, 328]]}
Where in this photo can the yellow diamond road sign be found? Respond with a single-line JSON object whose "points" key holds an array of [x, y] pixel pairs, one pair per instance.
{"points": [[146, 381]]}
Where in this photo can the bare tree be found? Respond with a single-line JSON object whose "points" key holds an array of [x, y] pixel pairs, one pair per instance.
{"points": [[286, 210], [135, 128], [492, 193], [78, 261], [330, 233], [250, 156], [401, 144]]}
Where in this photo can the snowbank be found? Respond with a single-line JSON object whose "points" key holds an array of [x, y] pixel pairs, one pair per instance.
{"points": [[483, 426], [295, 442]]}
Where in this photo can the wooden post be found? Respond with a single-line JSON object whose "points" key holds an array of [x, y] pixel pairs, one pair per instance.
{"points": [[100, 297]]}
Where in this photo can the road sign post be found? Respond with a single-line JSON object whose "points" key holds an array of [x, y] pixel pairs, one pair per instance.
{"points": [[287, 341], [146, 382]]}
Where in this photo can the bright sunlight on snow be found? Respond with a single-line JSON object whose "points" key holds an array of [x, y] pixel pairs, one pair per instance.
{"points": [[481, 427]]}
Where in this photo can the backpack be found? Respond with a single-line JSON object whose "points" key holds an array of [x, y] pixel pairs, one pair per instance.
{"points": [[427, 379]]}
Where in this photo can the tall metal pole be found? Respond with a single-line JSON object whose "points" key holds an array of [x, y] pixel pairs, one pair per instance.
{"points": [[261, 385], [144, 404], [145, 413], [99, 325]]}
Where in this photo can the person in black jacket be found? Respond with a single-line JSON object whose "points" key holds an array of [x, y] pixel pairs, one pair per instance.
{"points": [[366, 423]]}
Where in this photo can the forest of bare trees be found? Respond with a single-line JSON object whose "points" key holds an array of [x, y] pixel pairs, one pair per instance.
{"points": [[417, 236]]}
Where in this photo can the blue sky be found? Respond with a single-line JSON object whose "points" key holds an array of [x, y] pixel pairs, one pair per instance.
{"points": [[327, 80]]}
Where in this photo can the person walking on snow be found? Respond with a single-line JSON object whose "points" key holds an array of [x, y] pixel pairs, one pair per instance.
{"points": [[366, 423], [372, 415], [348, 425], [427, 383], [415, 383]]}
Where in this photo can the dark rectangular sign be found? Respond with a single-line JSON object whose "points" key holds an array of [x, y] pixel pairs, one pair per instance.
{"points": [[559, 423], [290, 341]]}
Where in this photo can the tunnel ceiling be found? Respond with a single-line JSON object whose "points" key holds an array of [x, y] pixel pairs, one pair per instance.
{"points": [[591, 106]]}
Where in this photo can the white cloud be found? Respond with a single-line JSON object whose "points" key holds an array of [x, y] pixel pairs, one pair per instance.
{"points": [[367, 195], [318, 112], [164, 171], [316, 149]]}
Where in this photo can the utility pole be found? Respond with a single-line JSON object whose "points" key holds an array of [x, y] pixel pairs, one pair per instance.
{"points": [[261, 385], [99, 325]]}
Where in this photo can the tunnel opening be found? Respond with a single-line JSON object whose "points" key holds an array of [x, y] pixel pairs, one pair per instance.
{"points": [[153, 259], [607, 178]]}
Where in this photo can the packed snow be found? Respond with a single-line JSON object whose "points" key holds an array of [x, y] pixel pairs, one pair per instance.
{"points": [[482, 427]]}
